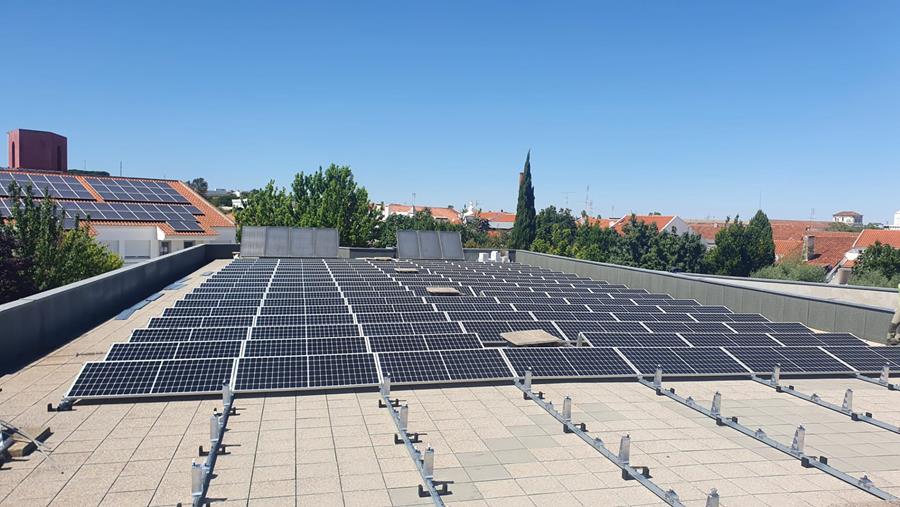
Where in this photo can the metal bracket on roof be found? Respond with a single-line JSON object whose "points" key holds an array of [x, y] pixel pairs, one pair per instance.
{"points": [[424, 461], [883, 380], [845, 408], [65, 405], [795, 450], [202, 473], [629, 472]]}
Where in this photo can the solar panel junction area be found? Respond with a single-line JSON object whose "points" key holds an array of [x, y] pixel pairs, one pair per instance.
{"points": [[265, 325]]}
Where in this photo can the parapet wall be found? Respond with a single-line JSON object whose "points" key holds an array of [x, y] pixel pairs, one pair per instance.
{"points": [[40, 323], [868, 322]]}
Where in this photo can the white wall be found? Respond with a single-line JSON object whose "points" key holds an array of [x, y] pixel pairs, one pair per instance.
{"points": [[679, 225], [131, 238]]}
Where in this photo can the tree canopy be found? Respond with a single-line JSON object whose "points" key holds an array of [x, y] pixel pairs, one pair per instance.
{"points": [[878, 265], [198, 185], [523, 231], [37, 253], [325, 198]]}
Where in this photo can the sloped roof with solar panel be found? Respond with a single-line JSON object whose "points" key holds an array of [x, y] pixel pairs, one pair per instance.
{"points": [[118, 200]]}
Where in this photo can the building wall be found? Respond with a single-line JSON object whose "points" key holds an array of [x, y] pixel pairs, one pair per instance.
{"points": [[32, 149], [133, 244], [848, 220], [678, 225]]}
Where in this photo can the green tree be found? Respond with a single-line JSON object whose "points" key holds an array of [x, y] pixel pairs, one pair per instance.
{"points": [[523, 231], [198, 185], [15, 279], [555, 227], [325, 198], [331, 198], [266, 206], [877, 265], [48, 255], [761, 246], [671, 251], [731, 255], [792, 269], [637, 236]]}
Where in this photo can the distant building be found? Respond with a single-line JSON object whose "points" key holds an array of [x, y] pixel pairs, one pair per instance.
{"points": [[37, 150], [449, 215], [136, 218], [671, 223], [847, 217], [896, 224], [497, 220], [218, 192]]}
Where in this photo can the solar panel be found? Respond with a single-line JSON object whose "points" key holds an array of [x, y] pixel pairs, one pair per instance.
{"points": [[125, 378], [141, 351], [543, 362], [475, 364], [709, 360], [452, 341], [397, 343], [212, 349], [864, 359], [261, 348], [647, 360], [342, 370], [335, 345], [193, 376], [592, 362], [271, 373], [413, 367]]}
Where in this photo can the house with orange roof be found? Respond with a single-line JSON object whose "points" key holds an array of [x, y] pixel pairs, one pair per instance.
{"points": [[447, 214], [136, 218], [663, 223]]}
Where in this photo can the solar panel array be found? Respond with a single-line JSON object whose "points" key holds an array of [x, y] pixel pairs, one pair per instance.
{"points": [[113, 189], [60, 187], [152, 201], [293, 324]]}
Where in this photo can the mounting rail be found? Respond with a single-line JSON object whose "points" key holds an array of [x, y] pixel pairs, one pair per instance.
{"points": [[795, 450], [202, 473], [845, 408], [424, 461], [622, 460], [884, 380]]}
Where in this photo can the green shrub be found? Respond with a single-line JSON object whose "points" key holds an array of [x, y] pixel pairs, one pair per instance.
{"points": [[791, 270]]}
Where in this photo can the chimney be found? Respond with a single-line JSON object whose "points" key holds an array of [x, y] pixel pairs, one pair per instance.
{"points": [[809, 247]]}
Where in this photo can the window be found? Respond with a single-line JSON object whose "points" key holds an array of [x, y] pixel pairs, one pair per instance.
{"points": [[12, 156], [137, 249], [165, 247], [188, 244]]}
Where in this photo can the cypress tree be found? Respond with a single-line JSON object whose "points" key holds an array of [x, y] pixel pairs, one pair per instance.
{"points": [[761, 246], [524, 228]]}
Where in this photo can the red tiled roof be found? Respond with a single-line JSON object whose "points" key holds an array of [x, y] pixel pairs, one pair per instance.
{"points": [[829, 249], [788, 248], [497, 216], [603, 223], [781, 229], [659, 220], [847, 214], [868, 237], [449, 214]]}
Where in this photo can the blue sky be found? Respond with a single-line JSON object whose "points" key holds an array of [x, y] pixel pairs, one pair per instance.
{"points": [[692, 108]]}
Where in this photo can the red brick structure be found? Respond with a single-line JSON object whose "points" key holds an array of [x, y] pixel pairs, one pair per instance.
{"points": [[36, 149]]}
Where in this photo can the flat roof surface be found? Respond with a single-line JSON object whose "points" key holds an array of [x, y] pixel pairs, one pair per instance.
{"points": [[499, 449]]}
